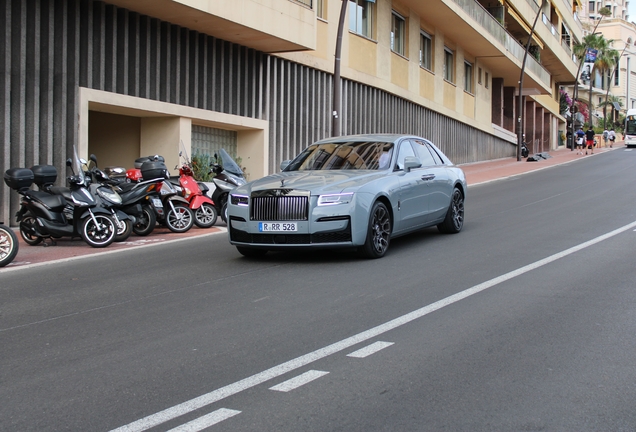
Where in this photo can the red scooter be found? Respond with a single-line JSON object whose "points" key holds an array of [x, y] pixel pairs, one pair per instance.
{"points": [[202, 206]]}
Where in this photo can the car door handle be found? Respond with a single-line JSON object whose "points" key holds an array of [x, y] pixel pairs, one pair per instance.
{"points": [[427, 177]]}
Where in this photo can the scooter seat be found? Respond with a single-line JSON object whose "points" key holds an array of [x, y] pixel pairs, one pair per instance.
{"points": [[61, 190], [52, 202]]}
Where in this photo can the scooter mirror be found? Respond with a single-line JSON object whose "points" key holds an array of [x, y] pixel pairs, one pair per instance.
{"points": [[69, 162], [93, 158]]}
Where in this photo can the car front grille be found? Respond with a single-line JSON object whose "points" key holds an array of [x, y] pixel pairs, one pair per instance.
{"points": [[279, 205]]}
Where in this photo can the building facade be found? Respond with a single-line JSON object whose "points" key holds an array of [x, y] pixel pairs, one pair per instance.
{"points": [[128, 78]]}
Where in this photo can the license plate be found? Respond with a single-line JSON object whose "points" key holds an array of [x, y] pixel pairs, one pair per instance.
{"points": [[157, 202], [277, 226]]}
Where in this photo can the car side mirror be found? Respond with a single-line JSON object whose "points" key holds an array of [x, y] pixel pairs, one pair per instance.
{"points": [[411, 162], [284, 164]]}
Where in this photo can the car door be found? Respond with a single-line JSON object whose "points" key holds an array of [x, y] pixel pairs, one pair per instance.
{"points": [[438, 180], [413, 195]]}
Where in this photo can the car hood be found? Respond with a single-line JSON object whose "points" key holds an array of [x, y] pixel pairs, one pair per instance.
{"points": [[318, 182]]}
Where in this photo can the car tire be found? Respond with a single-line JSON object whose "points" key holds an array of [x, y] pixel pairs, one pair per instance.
{"points": [[251, 252], [378, 232], [454, 221]]}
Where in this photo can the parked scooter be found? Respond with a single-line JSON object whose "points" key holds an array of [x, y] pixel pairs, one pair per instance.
{"points": [[123, 215], [8, 245], [202, 206], [41, 214], [175, 210], [228, 175]]}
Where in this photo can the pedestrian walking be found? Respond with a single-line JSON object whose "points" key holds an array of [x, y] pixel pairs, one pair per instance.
{"points": [[589, 136], [612, 137], [580, 137], [605, 137]]}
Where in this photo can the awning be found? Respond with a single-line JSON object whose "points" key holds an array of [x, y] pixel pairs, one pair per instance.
{"points": [[525, 26]]}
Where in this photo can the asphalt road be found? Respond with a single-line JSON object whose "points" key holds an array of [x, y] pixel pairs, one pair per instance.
{"points": [[524, 321]]}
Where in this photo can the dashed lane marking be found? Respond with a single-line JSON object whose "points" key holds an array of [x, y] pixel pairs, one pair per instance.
{"points": [[206, 421], [283, 368], [298, 381], [371, 349]]}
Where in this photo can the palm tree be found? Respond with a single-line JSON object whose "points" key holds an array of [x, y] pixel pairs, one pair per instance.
{"points": [[605, 57], [609, 102]]}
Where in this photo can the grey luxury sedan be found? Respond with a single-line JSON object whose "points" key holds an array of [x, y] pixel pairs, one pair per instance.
{"points": [[356, 191]]}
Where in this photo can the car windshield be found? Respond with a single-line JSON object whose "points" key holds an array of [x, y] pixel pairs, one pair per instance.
{"points": [[368, 155]]}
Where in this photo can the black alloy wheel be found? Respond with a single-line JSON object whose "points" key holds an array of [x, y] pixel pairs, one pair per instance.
{"points": [[146, 222], [27, 230], [454, 221], [378, 233], [98, 230]]}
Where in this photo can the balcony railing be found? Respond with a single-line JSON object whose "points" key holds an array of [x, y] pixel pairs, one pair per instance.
{"points": [[477, 12], [304, 2]]}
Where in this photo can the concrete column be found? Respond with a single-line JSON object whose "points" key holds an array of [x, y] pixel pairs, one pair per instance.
{"points": [[163, 135]]}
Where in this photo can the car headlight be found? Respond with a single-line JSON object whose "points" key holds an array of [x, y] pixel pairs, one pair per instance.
{"points": [[334, 199], [240, 200]]}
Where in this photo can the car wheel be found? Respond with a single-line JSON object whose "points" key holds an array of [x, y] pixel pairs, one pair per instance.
{"points": [[378, 233], [251, 252], [454, 220]]}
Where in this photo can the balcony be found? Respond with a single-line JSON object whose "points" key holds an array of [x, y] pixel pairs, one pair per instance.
{"points": [[269, 26]]}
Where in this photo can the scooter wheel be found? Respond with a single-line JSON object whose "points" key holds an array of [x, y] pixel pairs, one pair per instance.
{"points": [[27, 230], [124, 229], [100, 234], [180, 219], [8, 245], [146, 222], [205, 216]]}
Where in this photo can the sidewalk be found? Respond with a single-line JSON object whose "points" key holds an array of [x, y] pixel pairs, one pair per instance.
{"points": [[476, 173]]}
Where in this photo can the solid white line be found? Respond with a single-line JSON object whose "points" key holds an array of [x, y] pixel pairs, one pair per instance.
{"points": [[276, 371], [371, 349], [9, 268], [298, 381], [206, 421]]}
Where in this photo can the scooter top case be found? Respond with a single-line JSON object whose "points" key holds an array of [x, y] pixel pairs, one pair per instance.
{"points": [[18, 178]]}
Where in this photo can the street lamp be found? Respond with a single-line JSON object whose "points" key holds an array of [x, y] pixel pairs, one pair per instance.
{"points": [[520, 101], [335, 125]]}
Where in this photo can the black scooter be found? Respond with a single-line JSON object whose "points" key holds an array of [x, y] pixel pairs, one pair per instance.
{"points": [[42, 216], [227, 176], [8, 245]]}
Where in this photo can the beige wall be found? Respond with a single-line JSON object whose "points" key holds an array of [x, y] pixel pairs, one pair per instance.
{"points": [[114, 139]]}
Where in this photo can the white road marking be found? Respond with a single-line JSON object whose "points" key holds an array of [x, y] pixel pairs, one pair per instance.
{"points": [[206, 421], [371, 349], [298, 381], [283, 368]]}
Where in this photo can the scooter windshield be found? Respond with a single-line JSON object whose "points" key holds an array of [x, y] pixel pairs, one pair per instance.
{"points": [[229, 165], [77, 166]]}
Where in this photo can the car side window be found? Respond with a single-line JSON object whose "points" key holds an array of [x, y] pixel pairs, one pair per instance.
{"points": [[424, 153], [405, 150], [436, 156]]}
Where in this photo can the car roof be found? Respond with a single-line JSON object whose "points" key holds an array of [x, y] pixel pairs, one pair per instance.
{"points": [[367, 137]]}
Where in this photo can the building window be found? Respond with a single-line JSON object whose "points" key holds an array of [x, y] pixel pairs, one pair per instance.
{"points": [[426, 51], [208, 141], [616, 73], [398, 34], [449, 63], [479, 76], [486, 80], [591, 7], [321, 9], [468, 77], [361, 17]]}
